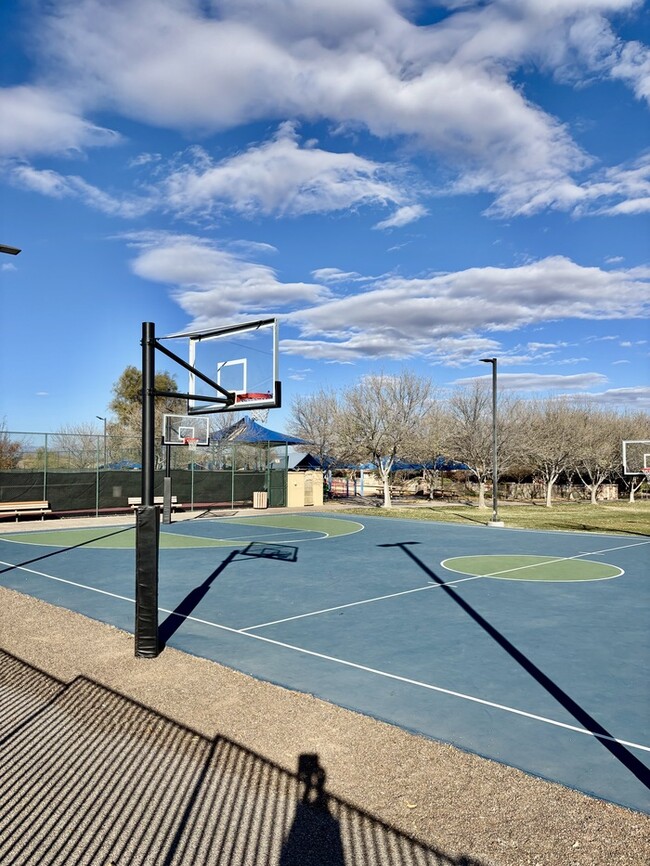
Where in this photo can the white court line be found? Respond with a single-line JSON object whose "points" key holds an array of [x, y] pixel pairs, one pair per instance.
{"points": [[363, 601], [247, 539], [69, 582], [450, 583], [354, 665], [418, 683], [547, 562]]}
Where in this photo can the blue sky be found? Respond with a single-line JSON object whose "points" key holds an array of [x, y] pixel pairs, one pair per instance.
{"points": [[405, 184]]}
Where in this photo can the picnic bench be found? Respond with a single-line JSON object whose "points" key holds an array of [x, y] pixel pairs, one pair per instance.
{"points": [[25, 509], [136, 501]]}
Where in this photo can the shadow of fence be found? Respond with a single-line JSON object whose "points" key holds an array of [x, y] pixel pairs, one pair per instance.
{"points": [[93, 777]]}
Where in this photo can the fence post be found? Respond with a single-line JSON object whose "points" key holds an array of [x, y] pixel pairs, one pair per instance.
{"points": [[45, 496], [97, 480]]}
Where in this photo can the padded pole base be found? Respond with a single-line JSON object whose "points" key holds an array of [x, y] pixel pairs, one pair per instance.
{"points": [[147, 532]]}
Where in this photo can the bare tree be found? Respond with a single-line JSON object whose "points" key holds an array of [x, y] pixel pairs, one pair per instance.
{"points": [[77, 446], [551, 435], [598, 449], [470, 439], [314, 419], [636, 427], [470, 434], [379, 418], [10, 450], [429, 439]]}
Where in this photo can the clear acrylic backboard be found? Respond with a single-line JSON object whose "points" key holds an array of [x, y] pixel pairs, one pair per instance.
{"points": [[178, 429], [636, 456], [242, 359]]}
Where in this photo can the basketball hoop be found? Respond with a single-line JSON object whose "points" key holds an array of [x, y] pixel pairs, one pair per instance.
{"points": [[646, 472], [252, 397], [249, 397], [191, 442]]}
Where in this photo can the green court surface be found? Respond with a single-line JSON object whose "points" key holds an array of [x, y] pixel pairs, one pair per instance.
{"points": [[301, 527], [544, 568]]}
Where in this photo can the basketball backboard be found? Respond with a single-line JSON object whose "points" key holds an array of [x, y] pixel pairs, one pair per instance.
{"points": [[242, 359], [178, 429], [636, 456]]}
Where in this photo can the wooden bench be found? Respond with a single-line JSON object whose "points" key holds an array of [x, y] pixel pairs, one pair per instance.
{"points": [[25, 509], [135, 501]]}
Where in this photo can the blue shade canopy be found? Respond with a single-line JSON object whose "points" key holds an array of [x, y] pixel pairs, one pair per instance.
{"points": [[442, 464], [251, 432]]}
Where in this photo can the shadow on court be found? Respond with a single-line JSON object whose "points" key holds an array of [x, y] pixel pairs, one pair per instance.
{"points": [[169, 627], [67, 549], [92, 776], [630, 761]]}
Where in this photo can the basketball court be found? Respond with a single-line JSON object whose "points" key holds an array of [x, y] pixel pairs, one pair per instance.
{"points": [[529, 648]]}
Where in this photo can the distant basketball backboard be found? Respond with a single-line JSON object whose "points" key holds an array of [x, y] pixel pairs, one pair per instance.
{"points": [[636, 456], [241, 359], [184, 429]]}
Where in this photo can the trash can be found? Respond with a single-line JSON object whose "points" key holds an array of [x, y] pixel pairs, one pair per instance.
{"points": [[260, 499]]}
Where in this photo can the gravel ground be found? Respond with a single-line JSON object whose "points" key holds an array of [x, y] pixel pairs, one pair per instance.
{"points": [[115, 760]]}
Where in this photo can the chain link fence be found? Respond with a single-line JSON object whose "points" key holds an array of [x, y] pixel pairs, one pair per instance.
{"points": [[93, 473]]}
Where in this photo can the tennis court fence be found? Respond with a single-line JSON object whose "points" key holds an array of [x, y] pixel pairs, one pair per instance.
{"points": [[95, 473]]}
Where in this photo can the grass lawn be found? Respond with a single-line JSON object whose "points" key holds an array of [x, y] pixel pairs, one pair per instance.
{"points": [[615, 517]]}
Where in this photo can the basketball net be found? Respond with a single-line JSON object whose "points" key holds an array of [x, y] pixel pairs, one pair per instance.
{"points": [[646, 472], [191, 443]]}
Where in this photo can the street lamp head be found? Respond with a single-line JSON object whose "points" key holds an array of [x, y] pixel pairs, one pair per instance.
{"points": [[11, 251], [488, 360]]}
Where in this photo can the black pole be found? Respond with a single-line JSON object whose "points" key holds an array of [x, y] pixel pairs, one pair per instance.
{"points": [[147, 516], [148, 410], [167, 486], [495, 468]]}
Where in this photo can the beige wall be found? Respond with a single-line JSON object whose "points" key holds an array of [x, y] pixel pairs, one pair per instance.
{"points": [[304, 488]]}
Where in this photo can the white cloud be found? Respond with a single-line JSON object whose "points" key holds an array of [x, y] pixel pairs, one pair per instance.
{"points": [[447, 87], [403, 216], [37, 120], [623, 189], [362, 65], [282, 178], [335, 275], [54, 185], [636, 397], [278, 178], [540, 382], [212, 284], [400, 317]]}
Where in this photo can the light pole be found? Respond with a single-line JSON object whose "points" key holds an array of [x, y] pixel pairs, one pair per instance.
{"points": [[99, 418], [495, 469]]}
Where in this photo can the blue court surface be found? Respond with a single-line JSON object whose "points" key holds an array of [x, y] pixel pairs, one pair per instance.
{"points": [[529, 648]]}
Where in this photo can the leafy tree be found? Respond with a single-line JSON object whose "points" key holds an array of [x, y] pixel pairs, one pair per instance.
{"points": [[126, 430], [127, 401]]}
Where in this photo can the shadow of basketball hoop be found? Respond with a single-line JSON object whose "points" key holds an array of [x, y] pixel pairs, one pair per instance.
{"points": [[263, 550]]}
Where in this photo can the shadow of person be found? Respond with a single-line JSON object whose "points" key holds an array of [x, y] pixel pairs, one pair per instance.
{"points": [[314, 838]]}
